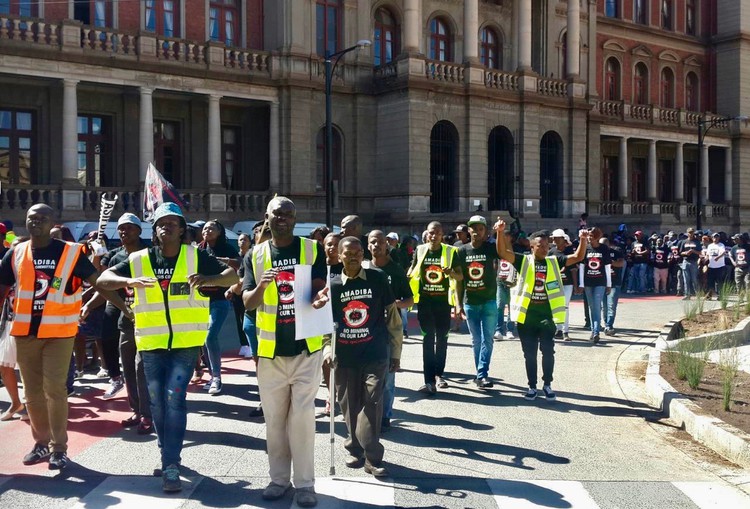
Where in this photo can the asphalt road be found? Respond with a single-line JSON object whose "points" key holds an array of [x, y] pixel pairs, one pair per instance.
{"points": [[599, 445]]}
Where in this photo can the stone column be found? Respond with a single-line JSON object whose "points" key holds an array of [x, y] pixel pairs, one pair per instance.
{"points": [[214, 141], [574, 39], [679, 174], [704, 174], [471, 31], [274, 149], [146, 131], [651, 175], [412, 32], [622, 164], [70, 131], [728, 175], [524, 36]]}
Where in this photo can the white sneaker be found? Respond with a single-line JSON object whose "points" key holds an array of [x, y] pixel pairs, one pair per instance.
{"points": [[509, 335], [498, 336], [103, 373], [215, 387]]}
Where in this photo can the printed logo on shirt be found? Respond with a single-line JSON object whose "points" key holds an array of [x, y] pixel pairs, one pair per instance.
{"points": [[476, 271], [355, 314], [285, 285], [434, 275], [42, 286], [741, 256], [594, 263]]}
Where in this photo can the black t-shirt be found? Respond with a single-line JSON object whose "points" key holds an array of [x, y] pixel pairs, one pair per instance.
{"points": [[359, 310], [224, 250], [539, 308], [433, 284], [616, 253], [686, 245], [640, 252], [396, 279], [284, 259], [45, 263], [480, 283], [661, 257], [565, 271], [594, 265], [112, 259], [739, 255], [335, 270], [506, 274]]}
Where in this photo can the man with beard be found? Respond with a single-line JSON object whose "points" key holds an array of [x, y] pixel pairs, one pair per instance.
{"points": [[433, 265], [478, 288], [368, 345], [48, 275], [288, 370], [376, 243]]}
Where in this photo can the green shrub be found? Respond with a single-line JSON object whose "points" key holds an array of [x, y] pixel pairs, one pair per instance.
{"points": [[725, 291], [728, 365]]}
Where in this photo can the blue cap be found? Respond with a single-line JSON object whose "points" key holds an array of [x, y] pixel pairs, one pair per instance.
{"points": [[168, 209], [128, 218]]}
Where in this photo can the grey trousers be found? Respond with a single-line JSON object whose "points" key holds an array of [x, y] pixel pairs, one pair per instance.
{"points": [[135, 378], [359, 392]]}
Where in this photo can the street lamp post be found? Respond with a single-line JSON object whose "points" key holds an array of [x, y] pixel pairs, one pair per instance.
{"points": [[705, 125], [330, 67]]}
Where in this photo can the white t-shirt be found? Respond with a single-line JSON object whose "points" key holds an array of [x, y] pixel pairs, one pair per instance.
{"points": [[712, 252]]}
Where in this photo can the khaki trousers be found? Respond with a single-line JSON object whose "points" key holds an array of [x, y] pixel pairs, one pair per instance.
{"points": [[287, 387], [44, 367]]}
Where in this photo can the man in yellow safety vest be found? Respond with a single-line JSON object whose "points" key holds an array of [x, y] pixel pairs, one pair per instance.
{"points": [[538, 301]]}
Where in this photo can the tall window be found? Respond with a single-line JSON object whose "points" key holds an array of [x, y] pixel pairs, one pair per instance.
{"points": [[667, 21], [612, 8], [692, 102], [230, 156], [440, 40], [24, 8], [690, 26], [328, 26], [17, 146], [609, 178], [167, 151], [94, 145], [96, 13], [224, 18], [640, 12], [443, 166], [162, 17], [612, 80], [638, 180], [667, 88], [640, 84], [489, 49], [665, 180], [386, 37]]}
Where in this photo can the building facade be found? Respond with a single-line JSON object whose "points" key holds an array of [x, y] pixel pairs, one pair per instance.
{"points": [[539, 109]]}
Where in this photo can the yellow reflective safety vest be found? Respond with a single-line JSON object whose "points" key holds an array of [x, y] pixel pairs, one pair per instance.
{"points": [[177, 318], [265, 320], [521, 293], [446, 260]]}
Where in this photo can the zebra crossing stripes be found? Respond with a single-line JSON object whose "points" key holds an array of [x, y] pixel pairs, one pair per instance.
{"points": [[535, 494]]}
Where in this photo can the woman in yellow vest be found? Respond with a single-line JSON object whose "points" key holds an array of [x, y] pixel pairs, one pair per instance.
{"points": [[171, 320], [538, 301]]}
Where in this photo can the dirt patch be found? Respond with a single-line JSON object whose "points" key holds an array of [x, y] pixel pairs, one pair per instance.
{"points": [[713, 321], [709, 395]]}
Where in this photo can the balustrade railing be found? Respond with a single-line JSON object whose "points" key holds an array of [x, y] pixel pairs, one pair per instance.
{"points": [[640, 208], [641, 112], [610, 108], [501, 80], [719, 211], [610, 208], [668, 208], [444, 71], [553, 88], [669, 116]]}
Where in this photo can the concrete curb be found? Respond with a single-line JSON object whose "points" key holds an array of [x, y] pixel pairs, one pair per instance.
{"points": [[728, 441]]}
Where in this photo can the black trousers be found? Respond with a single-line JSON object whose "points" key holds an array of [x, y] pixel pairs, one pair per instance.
{"points": [[435, 321], [538, 335], [360, 395], [111, 341]]}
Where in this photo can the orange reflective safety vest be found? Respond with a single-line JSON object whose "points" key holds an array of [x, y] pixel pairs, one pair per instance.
{"points": [[61, 311]]}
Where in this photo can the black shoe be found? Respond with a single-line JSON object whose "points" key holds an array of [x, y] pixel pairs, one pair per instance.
{"points": [[595, 338], [133, 420], [385, 424], [559, 334], [170, 479], [58, 460], [40, 452], [145, 427], [257, 411]]}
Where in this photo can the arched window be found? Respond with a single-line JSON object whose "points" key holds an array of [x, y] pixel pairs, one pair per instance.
{"points": [[692, 100], [224, 19], [612, 80], [443, 162], [667, 88], [336, 160], [490, 49], [640, 84], [440, 40], [500, 171], [386, 37], [328, 27]]}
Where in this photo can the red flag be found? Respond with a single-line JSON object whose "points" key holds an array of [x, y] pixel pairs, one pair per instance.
{"points": [[158, 190]]}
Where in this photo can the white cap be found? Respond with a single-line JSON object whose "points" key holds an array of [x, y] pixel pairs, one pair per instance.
{"points": [[558, 233], [392, 236], [128, 218]]}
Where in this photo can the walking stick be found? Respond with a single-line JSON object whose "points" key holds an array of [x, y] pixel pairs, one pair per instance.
{"points": [[331, 397]]}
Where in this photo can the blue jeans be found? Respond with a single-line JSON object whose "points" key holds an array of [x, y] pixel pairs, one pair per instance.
{"points": [[167, 376], [595, 297], [248, 325], [405, 319], [482, 320], [503, 302], [690, 276], [638, 278], [219, 310], [611, 300]]}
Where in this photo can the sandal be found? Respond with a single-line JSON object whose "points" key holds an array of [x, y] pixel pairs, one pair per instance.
{"points": [[10, 413], [197, 377]]}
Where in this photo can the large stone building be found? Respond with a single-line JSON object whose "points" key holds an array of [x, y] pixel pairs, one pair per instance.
{"points": [[542, 109]]}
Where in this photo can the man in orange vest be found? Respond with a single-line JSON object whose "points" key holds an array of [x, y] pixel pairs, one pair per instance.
{"points": [[48, 275]]}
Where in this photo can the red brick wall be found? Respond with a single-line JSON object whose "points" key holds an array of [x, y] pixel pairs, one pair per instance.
{"points": [[129, 16], [55, 12]]}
